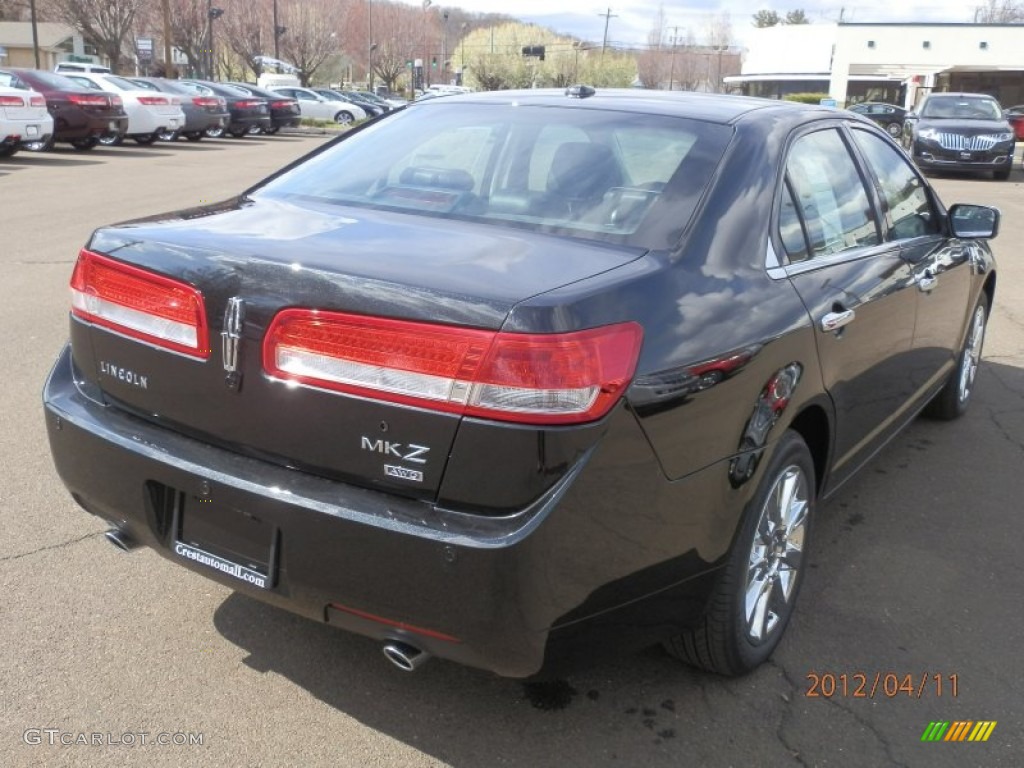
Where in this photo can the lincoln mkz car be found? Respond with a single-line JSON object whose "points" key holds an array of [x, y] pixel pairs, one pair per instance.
{"points": [[960, 132], [502, 377]]}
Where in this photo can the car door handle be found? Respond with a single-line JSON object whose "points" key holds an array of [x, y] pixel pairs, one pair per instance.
{"points": [[927, 282], [833, 321]]}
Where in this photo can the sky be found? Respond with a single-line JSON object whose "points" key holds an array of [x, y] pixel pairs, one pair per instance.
{"points": [[631, 22]]}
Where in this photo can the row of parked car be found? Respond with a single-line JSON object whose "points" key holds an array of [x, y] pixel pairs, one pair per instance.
{"points": [[40, 108]]}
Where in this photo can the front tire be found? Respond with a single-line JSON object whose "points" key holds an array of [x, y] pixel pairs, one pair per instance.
{"points": [[343, 118], [954, 398], [754, 595], [1002, 175], [214, 132]]}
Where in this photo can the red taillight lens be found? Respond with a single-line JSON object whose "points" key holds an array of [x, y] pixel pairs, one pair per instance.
{"points": [[38, 101], [249, 104], [140, 304], [12, 101], [115, 101], [206, 101], [280, 104], [88, 100], [530, 378], [153, 101]]}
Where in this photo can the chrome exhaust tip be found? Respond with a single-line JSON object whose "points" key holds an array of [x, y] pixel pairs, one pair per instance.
{"points": [[405, 657], [121, 540]]}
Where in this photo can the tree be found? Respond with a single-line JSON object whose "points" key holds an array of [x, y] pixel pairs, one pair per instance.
{"points": [[999, 12], [105, 24], [653, 64], [398, 30], [797, 17], [763, 19], [245, 29], [312, 33]]}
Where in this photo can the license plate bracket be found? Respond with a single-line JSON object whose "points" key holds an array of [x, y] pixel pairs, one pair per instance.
{"points": [[220, 536]]}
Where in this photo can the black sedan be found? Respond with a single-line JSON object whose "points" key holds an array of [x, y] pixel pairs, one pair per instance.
{"points": [[961, 132], [202, 112], [284, 110], [246, 113], [889, 116], [541, 372]]}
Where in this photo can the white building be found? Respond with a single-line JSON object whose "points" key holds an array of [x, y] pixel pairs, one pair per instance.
{"points": [[890, 62]]}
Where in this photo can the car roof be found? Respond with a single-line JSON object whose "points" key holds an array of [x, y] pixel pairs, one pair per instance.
{"points": [[717, 108]]}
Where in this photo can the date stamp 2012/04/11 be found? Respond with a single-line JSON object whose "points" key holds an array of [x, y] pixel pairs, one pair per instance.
{"points": [[873, 685]]}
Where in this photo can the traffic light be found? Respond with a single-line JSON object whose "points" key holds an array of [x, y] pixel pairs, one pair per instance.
{"points": [[433, 62]]}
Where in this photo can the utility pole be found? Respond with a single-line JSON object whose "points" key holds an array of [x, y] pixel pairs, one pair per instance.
{"points": [[35, 31], [608, 16], [168, 63], [672, 64]]}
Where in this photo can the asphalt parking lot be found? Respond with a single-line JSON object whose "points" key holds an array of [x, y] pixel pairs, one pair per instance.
{"points": [[912, 612]]}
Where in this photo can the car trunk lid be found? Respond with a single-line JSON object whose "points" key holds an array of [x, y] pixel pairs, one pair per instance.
{"points": [[251, 262]]}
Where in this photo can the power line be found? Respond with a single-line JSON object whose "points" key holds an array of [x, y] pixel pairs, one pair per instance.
{"points": [[608, 16]]}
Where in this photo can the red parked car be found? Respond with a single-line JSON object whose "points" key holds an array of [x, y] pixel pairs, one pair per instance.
{"points": [[1016, 117], [80, 115]]}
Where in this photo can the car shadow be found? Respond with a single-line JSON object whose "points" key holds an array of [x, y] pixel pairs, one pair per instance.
{"points": [[49, 158], [127, 151], [889, 564]]}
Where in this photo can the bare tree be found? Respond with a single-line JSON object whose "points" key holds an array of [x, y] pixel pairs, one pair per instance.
{"points": [[246, 30], [106, 24], [999, 12], [397, 30], [653, 63], [312, 34]]}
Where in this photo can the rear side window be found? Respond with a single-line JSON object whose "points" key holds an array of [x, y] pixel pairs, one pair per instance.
{"points": [[904, 194], [829, 194], [615, 176]]}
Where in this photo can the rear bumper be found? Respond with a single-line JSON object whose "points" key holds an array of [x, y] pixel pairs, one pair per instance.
{"points": [[485, 592], [245, 122]]}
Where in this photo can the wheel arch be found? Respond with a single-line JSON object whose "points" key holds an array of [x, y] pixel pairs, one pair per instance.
{"points": [[815, 428]]}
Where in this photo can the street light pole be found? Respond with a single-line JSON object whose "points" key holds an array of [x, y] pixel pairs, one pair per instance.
{"points": [[444, 48], [373, 45], [277, 34]]}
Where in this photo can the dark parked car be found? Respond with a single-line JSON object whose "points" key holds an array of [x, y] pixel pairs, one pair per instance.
{"points": [[247, 113], [284, 110], [201, 112], [80, 115], [889, 116], [960, 132], [511, 373]]}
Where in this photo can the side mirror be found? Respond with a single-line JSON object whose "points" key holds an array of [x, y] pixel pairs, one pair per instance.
{"points": [[974, 221]]}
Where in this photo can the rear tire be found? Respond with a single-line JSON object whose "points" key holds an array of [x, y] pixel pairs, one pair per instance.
{"points": [[238, 133], [895, 130], [84, 145], [954, 398], [10, 150], [169, 135], [1002, 175], [194, 135], [215, 132], [107, 140], [145, 140], [754, 595]]}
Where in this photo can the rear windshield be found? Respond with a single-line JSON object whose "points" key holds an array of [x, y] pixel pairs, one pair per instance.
{"points": [[962, 107], [615, 176]]}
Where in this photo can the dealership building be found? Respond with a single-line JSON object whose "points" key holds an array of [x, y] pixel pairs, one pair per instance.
{"points": [[891, 62]]}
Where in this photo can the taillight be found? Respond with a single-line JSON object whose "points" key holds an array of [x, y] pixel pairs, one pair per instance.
{"points": [[206, 101], [530, 378], [37, 101], [249, 104], [280, 104], [12, 101], [115, 101], [153, 101], [88, 100], [139, 304]]}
